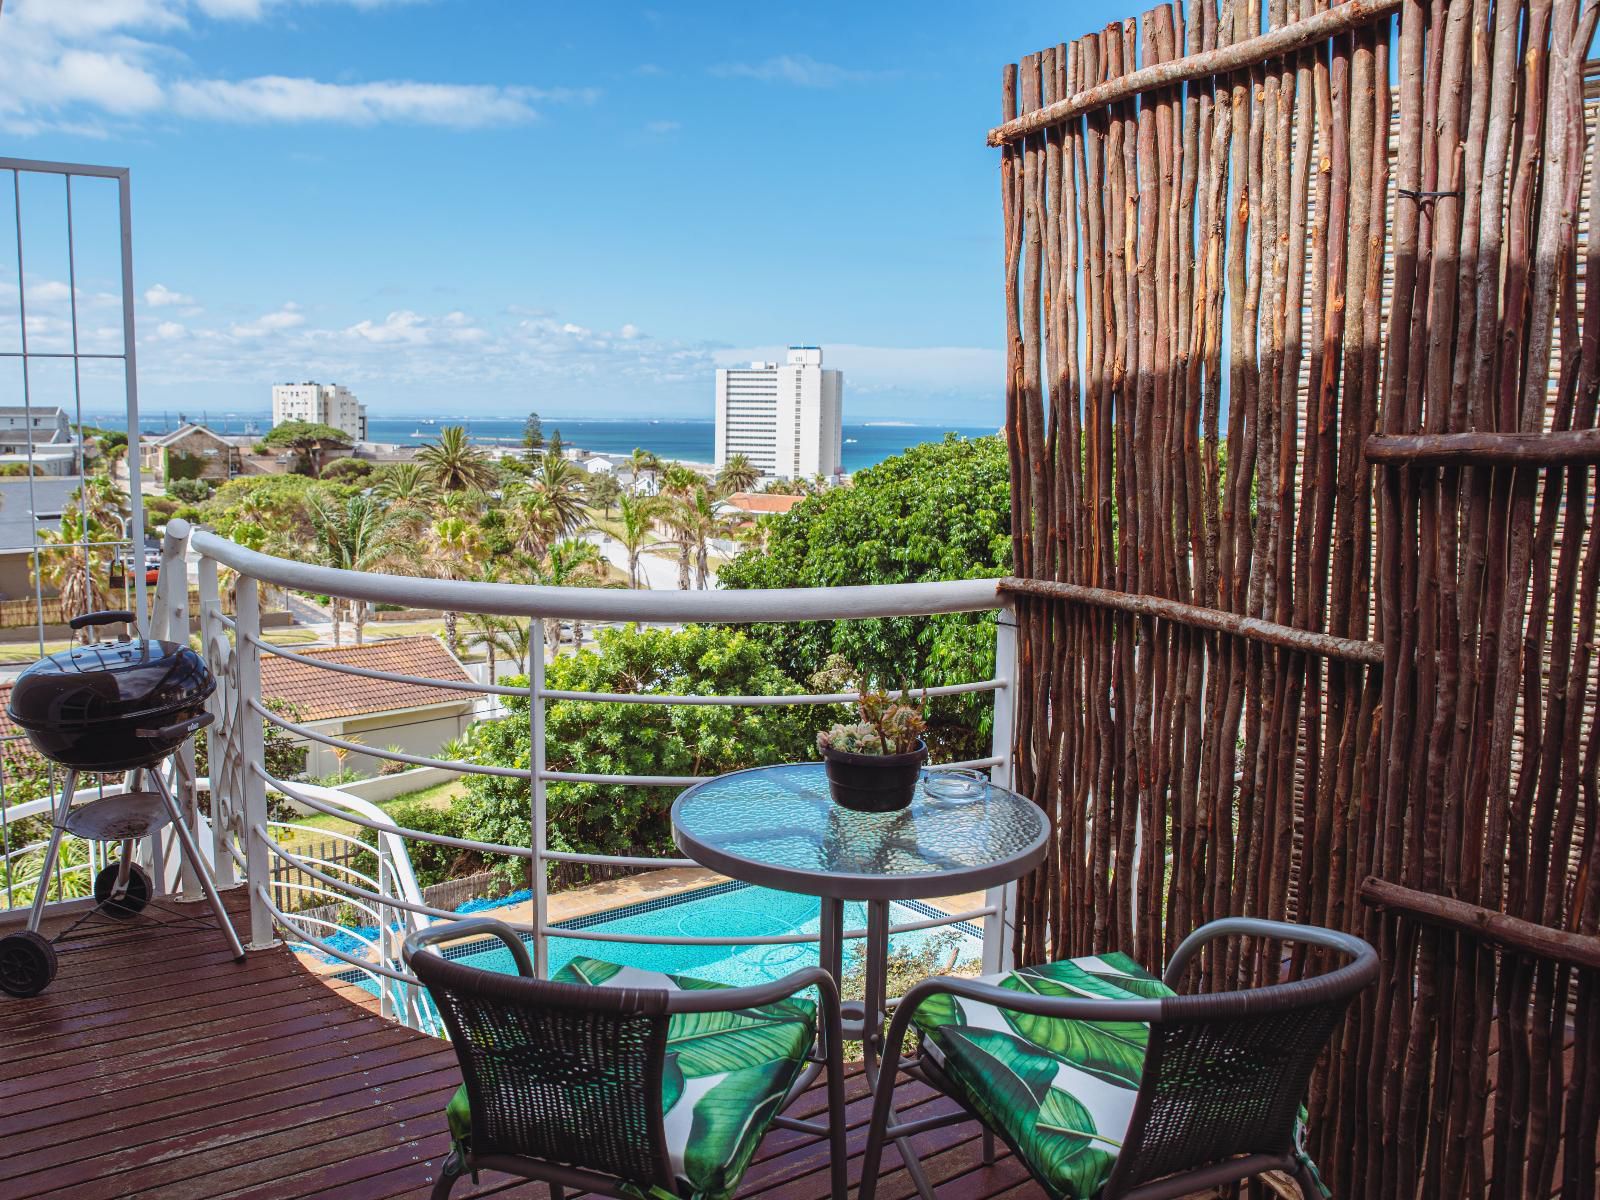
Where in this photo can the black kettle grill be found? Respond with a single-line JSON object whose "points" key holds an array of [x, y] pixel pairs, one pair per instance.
{"points": [[111, 706]]}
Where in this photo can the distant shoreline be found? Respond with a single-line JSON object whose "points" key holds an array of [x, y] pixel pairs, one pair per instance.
{"points": [[673, 439]]}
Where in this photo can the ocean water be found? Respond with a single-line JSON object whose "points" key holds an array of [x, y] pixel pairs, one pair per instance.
{"points": [[687, 440]]}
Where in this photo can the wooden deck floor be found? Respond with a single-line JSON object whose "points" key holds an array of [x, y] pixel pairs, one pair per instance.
{"points": [[160, 1068]]}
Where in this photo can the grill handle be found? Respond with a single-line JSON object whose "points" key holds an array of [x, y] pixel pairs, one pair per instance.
{"points": [[181, 730], [109, 617]]}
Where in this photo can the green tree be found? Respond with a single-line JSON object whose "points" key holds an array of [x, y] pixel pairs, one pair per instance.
{"points": [[642, 463], [738, 474], [532, 437], [308, 441], [635, 739], [638, 514], [941, 510], [453, 464], [452, 551], [602, 491], [359, 534]]}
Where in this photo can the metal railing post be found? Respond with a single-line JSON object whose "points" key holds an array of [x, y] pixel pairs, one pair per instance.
{"points": [[536, 789], [169, 619], [251, 732], [1001, 900], [219, 738]]}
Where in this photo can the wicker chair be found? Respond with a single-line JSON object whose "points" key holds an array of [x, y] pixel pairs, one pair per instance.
{"points": [[1107, 1084], [576, 1081]]}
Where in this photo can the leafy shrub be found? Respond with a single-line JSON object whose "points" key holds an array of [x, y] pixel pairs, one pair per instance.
{"points": [[432, 862], [941, 510], [347, 470], [190, 490], [632, 739]]}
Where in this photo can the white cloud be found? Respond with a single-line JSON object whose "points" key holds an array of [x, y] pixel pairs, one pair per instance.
{"points": [[280, 98], [662, 127], [161, 296], [79, 64], [167, 331], [801, 70], [287, 317], [629, 332]]}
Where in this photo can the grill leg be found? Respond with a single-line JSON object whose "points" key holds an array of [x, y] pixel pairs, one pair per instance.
{"points": [[192, 854], [57, 828]]}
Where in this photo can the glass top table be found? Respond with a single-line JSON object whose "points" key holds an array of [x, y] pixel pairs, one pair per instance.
{"points": [[778, 827]]}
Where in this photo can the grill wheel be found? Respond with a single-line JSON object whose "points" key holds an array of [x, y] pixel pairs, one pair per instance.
{"points": [[137, 896], [27, 963]]}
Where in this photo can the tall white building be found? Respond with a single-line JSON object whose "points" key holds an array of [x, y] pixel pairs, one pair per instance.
{"points": [[786, 419], [321, 403]]}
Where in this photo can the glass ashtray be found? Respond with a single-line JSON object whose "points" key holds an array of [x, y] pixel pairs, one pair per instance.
{"points": [[956, 784]]}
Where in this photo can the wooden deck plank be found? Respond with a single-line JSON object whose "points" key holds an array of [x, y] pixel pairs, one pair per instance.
{"points": [[159, 1068]]}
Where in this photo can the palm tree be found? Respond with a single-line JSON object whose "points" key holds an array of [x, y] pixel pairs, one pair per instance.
{"points": [[518, 641], [738, 474], [403, 483], [533, 520], [452, 550], [359, 535], [602, 491], [571, 563], [638, 514], [696, 522], [75, 571], [562, 482], [454, 464], [643, 462], [493, 634]]}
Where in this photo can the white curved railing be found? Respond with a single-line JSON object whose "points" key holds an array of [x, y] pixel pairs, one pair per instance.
{"points": [[246, 845]]}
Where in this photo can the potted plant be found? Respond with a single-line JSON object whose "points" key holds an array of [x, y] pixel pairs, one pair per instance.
{"points": [[873, 763]]}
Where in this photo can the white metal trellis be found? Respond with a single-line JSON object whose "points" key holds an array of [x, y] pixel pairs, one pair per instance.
{"points": [[28, 356]]}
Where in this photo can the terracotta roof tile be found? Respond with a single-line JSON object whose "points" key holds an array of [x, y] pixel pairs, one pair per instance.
{"points": [[760, 502], [325, 695]]}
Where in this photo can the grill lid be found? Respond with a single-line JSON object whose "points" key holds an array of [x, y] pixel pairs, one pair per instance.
{"points": [[109, 682]]}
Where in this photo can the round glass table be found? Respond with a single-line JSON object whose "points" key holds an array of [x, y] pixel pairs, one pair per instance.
{"points": [[778, 827]]}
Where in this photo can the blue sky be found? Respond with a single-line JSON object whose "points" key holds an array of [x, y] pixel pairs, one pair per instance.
{"points": [[482, 206]]}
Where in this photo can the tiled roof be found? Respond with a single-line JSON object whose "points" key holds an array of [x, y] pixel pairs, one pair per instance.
{"points": [[760, 502], [325, 695]]}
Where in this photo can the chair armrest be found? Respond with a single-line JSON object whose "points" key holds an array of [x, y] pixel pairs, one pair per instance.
{"points": [[755, 996], [1365, 957], [1071, 1008], [454, 931]]}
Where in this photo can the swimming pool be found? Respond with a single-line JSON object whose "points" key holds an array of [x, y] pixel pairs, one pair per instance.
{"points": [[725, 910]]}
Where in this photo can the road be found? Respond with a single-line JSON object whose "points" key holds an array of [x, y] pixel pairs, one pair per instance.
{"points": [[660, 571]]}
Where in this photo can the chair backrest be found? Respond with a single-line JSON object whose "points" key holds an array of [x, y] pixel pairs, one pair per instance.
{"points": [[1225, 1074], [556, 1071]]}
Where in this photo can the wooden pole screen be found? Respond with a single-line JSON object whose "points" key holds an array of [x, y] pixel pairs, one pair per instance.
{"points": [[1302, 391]]}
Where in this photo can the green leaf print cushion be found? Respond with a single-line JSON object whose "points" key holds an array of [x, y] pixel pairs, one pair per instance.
{"points": [[725, 1075], [1060, 1091]]}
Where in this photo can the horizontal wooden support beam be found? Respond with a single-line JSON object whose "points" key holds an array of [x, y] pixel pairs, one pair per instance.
{"points": [[1485, 449], [1486, 924], [1287, 637], [1221, 61]]}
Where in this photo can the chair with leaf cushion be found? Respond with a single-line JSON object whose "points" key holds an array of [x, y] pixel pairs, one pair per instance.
{"points": [[1107, 1084], [620, 1081]]}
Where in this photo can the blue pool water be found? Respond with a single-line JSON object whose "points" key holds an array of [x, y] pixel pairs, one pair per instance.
{"points": [[727, 910]]}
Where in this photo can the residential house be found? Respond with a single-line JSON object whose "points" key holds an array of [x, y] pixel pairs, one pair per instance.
{"points": [[375, 712], [41, 438], [191, 452], [28, 507]]}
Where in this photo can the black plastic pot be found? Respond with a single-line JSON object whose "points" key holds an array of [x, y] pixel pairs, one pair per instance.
{"points": [[874, 782]]}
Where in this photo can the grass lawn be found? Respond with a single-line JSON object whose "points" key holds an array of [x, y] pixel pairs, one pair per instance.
{"points": [[26, 652], [320, 825], [378, 630]]}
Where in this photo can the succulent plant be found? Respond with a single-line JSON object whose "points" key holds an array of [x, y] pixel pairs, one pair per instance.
{"points": [[888, 725]]}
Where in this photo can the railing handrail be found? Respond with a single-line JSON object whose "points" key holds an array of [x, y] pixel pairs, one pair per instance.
{"points": [[603, 604]]}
